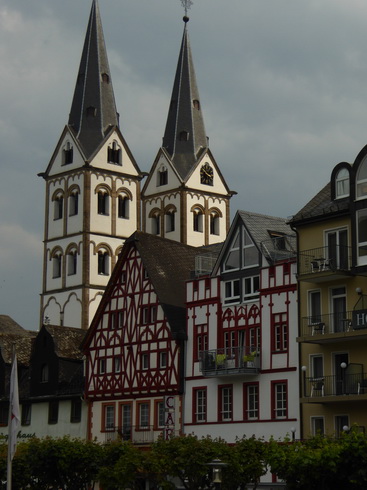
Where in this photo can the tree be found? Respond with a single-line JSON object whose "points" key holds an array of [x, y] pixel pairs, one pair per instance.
{"points": [[123, 466], [64, 463], [186, 458]]}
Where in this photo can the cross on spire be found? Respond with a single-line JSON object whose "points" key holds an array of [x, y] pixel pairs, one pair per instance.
{"points": [[186, 5]]}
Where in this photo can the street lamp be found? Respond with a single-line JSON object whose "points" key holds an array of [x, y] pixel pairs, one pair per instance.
{"points": [[217, 466]]}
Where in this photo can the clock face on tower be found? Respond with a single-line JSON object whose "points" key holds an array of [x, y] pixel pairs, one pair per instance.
{"points": [[206, 174]]}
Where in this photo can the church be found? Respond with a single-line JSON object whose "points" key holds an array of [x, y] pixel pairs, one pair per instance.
{"points": [[94, 194]]}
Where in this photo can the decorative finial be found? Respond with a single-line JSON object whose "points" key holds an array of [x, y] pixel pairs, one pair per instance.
{"points": [[186, 5]]}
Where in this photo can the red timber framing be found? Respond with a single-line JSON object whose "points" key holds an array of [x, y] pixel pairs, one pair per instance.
{"points": [[133, 338]]}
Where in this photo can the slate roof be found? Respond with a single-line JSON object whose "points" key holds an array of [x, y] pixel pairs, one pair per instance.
{"points": [[321, 206], [12, 334], [67, 341], [259, 225], [169, 265], [183, 116], [91, 91]]}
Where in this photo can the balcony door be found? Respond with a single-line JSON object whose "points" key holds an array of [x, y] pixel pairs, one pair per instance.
{"points": [[337, 249], [338, 309], [340, 364]]}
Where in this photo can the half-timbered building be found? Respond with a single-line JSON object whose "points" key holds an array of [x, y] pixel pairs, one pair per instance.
{"points": [[135, 346], [241, 370]]}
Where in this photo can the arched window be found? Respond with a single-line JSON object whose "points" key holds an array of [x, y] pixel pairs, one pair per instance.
{"points": [[123, 206], [103, 263], [72, 262], [170, 214], [73, 202], [198, 220], [362, 180], [67, 154], [58, 206], [103, 202], [56, 264], [214, 223], [114, 153], [155, 219], [342, 183]]}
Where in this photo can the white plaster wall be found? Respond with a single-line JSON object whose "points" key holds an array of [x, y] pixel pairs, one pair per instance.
{"points": [[40, 427]]}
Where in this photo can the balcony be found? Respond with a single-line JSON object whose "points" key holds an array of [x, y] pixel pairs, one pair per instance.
{"points": [[324, 263], [320, 329], [350, 387], [230, 362], [137, 435]]}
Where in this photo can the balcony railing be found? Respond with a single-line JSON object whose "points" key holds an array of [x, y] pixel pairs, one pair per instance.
{"points": [[349, 384], [231, 361], [335, 323], [325, 260], [135, 434]]}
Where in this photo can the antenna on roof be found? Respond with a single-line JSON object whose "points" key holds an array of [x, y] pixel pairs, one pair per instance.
{"points": [[186, 5]]}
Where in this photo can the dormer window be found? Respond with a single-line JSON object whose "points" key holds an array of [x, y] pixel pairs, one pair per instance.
{"points": [[91, 111], [114, 153], [196, 104], [105, 78], [342, 183], [362, 181], [184, 136]]}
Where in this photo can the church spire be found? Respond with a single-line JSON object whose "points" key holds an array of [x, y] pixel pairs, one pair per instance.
{"points": [[185, 135], [93, 110]]}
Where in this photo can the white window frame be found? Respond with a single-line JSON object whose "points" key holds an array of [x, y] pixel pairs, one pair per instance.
{"points": [[342, 183], [229, 293], [254, 292]]}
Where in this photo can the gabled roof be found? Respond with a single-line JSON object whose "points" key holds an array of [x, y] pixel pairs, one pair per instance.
{"points": [[66, 340], [260, 225], [262, 228], [185, 114], [169, 264], [93, 110]]}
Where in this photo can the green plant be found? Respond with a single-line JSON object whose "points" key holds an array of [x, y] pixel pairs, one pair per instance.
{"points": [[220, 358]]}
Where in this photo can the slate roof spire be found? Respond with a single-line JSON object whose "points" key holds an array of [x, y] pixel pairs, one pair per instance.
{"points": [[185, 136], [93, 110]]}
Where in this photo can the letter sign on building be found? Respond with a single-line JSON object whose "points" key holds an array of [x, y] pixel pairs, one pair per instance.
{"points": [[169, 417]]}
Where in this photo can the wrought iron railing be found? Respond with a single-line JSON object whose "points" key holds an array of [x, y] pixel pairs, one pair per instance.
{"points": [[235, 360], [325, 259], [347, 321], [135, 434], [348, 384]]}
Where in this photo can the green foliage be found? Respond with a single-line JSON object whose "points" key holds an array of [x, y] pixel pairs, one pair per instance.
{"points": [[246, 463], [72, 464], [64, 463], [122, 466], [321, 462], [185, 458]]}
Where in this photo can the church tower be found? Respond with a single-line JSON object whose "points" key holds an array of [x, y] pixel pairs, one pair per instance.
{"points": [[185, 197], [92, 193]]}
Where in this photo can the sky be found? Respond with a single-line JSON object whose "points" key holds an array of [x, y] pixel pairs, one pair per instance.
{"points": [[282, 86]]}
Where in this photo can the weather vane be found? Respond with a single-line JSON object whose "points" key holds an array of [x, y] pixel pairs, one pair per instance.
{"points": [[186, 5]]}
